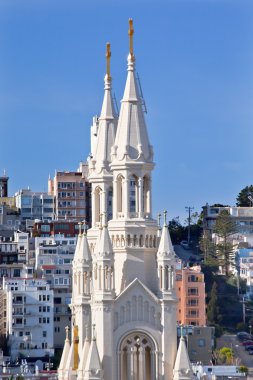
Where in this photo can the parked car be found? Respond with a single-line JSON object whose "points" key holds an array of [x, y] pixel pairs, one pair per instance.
{"points": [[248, 348], [184, 244], [247, 343], [250, 352]]}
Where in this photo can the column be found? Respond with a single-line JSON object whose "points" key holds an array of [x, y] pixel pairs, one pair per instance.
{"points": [[140, 185], [169, 278], [164, 278], [103, 202], [93, 207], [142, 364], [150, 197], [114, 199], [130, 367], [125, 199]]}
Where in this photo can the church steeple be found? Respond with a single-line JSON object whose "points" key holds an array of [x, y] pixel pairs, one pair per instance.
{"points": [[132, 154], [182, 369], [132, 142], [107, 123], [166, 261], [99, 165]]}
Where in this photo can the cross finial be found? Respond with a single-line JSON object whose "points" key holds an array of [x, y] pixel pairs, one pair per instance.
{"points": [[67, 332], [131, 33], [101, 221], [84, 226], [105, 219], [165, 217], [159, 220], [93, 332], [80, 228], [108, 61]]}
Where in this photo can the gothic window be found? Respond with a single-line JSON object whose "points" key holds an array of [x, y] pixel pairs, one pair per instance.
{"points": [[138, 357], [133, 193], [98, 193], [120, 193], [109, 203], [146, 194]]}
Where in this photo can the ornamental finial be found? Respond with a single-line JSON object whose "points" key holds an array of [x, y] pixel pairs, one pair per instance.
{"points": [[108, 60], [131, 33], [165, 217]]}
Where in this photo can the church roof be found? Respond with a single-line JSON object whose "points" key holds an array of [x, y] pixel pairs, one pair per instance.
{"points": [[82, 252], [106, 125], [65, 353], [137, 282], [93, 363], [84, 354], [182, 368], [104, 245], [165, 247], [132, 142]]}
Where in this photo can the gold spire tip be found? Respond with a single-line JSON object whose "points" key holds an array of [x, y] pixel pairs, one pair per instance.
{"points": [[108, 58], [131, 33]]}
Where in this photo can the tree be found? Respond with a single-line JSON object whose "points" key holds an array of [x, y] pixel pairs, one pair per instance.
{"points": [[212, 307], [224, 228], [207, 247], [243, 197]]}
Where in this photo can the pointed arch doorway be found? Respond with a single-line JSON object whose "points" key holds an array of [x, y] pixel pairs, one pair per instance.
{"points": [[137, 357]]}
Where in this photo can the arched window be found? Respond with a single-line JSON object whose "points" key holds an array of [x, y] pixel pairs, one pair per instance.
{"points": [[109, 203], [98, 201], [146, 195], [119, 193], [137, 357], [133, 194]]}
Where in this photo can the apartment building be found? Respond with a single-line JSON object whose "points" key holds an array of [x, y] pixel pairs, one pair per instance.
{"points": [[35, 205], [29, 317], [190, 290], [200, 342], [72, 195], [243, 217], [55, 227], [54, 263]]}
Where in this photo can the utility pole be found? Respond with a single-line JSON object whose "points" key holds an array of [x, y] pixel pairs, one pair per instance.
{"points": [[189, 209]]}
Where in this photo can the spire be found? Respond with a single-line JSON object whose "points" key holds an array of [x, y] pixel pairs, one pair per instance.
{"points": [[165, 247], [107, 122], [93, 363], [104, 248], [182, 369], [65, 352], [132, 140], [85, 352], [82, 252]]}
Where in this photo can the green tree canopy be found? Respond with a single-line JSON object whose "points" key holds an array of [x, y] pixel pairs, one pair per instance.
{"points": [[243, 197], [224, 228]]}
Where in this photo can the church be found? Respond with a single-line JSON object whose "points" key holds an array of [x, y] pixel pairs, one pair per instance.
{"points": [[123, 299]]}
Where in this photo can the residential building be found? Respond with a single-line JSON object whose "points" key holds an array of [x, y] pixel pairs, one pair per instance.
{"points": [[72, 195], [54, 263], [200, 341], [243, 217], [55, 227], [35, 205], [29, 317], [190, 289], [4, 186]]}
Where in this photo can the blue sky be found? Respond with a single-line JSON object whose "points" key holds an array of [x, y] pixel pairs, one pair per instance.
{"points": [[195, 61]]}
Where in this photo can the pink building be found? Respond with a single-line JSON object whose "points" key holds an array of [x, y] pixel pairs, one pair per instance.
{"points": [[72, 196], [190, 288]]}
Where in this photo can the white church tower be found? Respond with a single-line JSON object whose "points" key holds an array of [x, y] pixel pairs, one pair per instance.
{"points": [[124, 302]]}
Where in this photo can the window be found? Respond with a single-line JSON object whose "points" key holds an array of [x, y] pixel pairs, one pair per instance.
{"points": [[201, 342], [45, 227], [44, 334]]}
